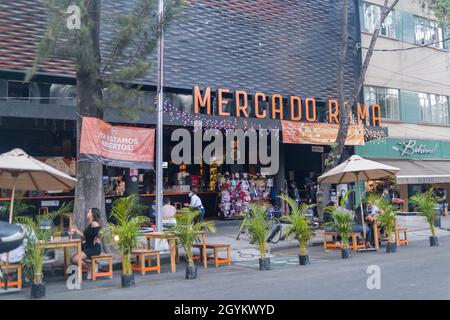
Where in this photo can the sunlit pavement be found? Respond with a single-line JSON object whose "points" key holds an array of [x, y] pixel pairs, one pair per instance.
{"points": [[416, 271]]}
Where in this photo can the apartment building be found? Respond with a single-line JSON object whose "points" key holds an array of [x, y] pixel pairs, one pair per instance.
{"points": [[409, 76]]}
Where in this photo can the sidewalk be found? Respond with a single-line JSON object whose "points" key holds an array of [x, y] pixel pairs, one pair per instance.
{"points": [[242, 250]]}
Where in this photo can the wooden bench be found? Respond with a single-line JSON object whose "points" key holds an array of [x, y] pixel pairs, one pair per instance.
{"points": [[96, 260], [17, 267], [335, 245], [141, 256], [216, 247]]}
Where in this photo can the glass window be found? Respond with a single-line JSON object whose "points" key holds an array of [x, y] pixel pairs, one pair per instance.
{"points": [[428, 33], [387, 98], [372, 16], [434, 108], [3, 89], [63, 94], [18, 91]]}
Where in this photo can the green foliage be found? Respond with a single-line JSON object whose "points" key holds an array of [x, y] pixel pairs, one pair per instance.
{"points": [[36, 237], [299, 226], [258, 227], [19, 207], [426, 204], [378, 200], [343, 222], [126, 58], [188, 230], [388, 221], [441, 8], [126, 227]]}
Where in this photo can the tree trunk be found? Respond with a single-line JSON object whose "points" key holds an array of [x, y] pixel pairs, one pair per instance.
{"points": [[334, 157], [89, 188]]}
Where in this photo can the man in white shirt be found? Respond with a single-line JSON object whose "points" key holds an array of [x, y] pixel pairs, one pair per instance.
{"points": [[196, 204]]}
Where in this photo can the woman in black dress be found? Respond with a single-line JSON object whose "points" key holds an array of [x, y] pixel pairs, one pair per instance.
{"points": [[91, 245]]}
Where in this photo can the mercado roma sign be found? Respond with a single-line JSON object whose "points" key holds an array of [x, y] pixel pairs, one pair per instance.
{"points": [[299, 117]]}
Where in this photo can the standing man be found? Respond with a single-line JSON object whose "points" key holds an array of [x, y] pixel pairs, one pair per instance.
{"points": [[196, 204]]}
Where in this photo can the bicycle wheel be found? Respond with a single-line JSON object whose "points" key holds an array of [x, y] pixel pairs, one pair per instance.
{"points": [[275, 232]]}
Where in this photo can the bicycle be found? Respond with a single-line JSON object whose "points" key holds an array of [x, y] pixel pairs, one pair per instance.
{"points": [[276, 229]]}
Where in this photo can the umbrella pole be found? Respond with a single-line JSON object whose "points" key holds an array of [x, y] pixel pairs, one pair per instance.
{"points": [[11, 211], [11, 207], [361, 207]]}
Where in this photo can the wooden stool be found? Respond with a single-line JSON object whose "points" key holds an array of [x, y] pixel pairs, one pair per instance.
{"points": [[216, 247], [63, 218], [17, 267], [333, 244], [403, 241], [355, 246], [141, 256], [96, 260]]}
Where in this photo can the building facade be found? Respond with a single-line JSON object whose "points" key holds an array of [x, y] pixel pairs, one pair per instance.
{"points": [[409, 76], [281, 48]]}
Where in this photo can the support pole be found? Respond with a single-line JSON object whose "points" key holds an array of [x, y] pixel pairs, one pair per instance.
{"points": [[361, 207], [160, 124]]}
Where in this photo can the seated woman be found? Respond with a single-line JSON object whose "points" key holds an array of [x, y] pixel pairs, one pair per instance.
{"points": [[92, 244]]}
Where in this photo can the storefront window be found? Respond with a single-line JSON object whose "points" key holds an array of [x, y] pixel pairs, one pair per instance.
{"points": [[63, 94], [18, 91], [372, 16], [434, 108], [428, 33], [387, 98]]}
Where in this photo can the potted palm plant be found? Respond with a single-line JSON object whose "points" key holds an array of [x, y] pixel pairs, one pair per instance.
{"points": [[388, 221], [36, 237], [426, 204], [342, 221], [125, 229], [258, 227], [299, 227], [188, 230]]}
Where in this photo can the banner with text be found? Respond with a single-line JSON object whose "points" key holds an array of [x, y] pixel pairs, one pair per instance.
{"points": [[117, 146], [319, 133]]}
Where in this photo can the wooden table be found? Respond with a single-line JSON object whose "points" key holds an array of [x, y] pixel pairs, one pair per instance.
{"points": [[172, 245], [66, 244]]}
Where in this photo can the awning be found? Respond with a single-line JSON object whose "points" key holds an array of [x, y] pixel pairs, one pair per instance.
{"points": [[420, 171]]}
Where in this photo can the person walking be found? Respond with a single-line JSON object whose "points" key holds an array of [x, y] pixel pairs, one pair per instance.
{"points": [[196, 204]]}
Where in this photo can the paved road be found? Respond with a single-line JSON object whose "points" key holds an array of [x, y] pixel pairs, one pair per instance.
{"points": [[414, 272]]}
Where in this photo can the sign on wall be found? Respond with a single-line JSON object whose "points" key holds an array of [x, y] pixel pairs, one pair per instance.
{"points": [[319, 134], [406, 149], [118, 146], [413, 147]]}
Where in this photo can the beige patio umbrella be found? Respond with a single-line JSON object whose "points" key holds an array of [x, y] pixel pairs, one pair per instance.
{"points": [[356, 169], [19, 171]]}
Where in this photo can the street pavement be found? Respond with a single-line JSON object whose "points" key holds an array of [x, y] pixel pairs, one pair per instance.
{"points": [[416, 271]]}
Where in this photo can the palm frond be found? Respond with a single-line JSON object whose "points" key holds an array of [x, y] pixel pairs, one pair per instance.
{"points": [[426, 204], [188, 230], [342, 221]]}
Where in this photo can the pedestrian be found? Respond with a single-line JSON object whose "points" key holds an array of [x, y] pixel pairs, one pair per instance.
{"points": [[196, 204]]}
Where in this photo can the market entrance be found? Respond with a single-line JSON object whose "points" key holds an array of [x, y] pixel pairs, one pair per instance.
{"points": [[303, 164]]}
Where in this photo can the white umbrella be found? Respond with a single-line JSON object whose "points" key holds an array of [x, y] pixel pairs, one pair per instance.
{"points": [[19, 171], [358, 169]]}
